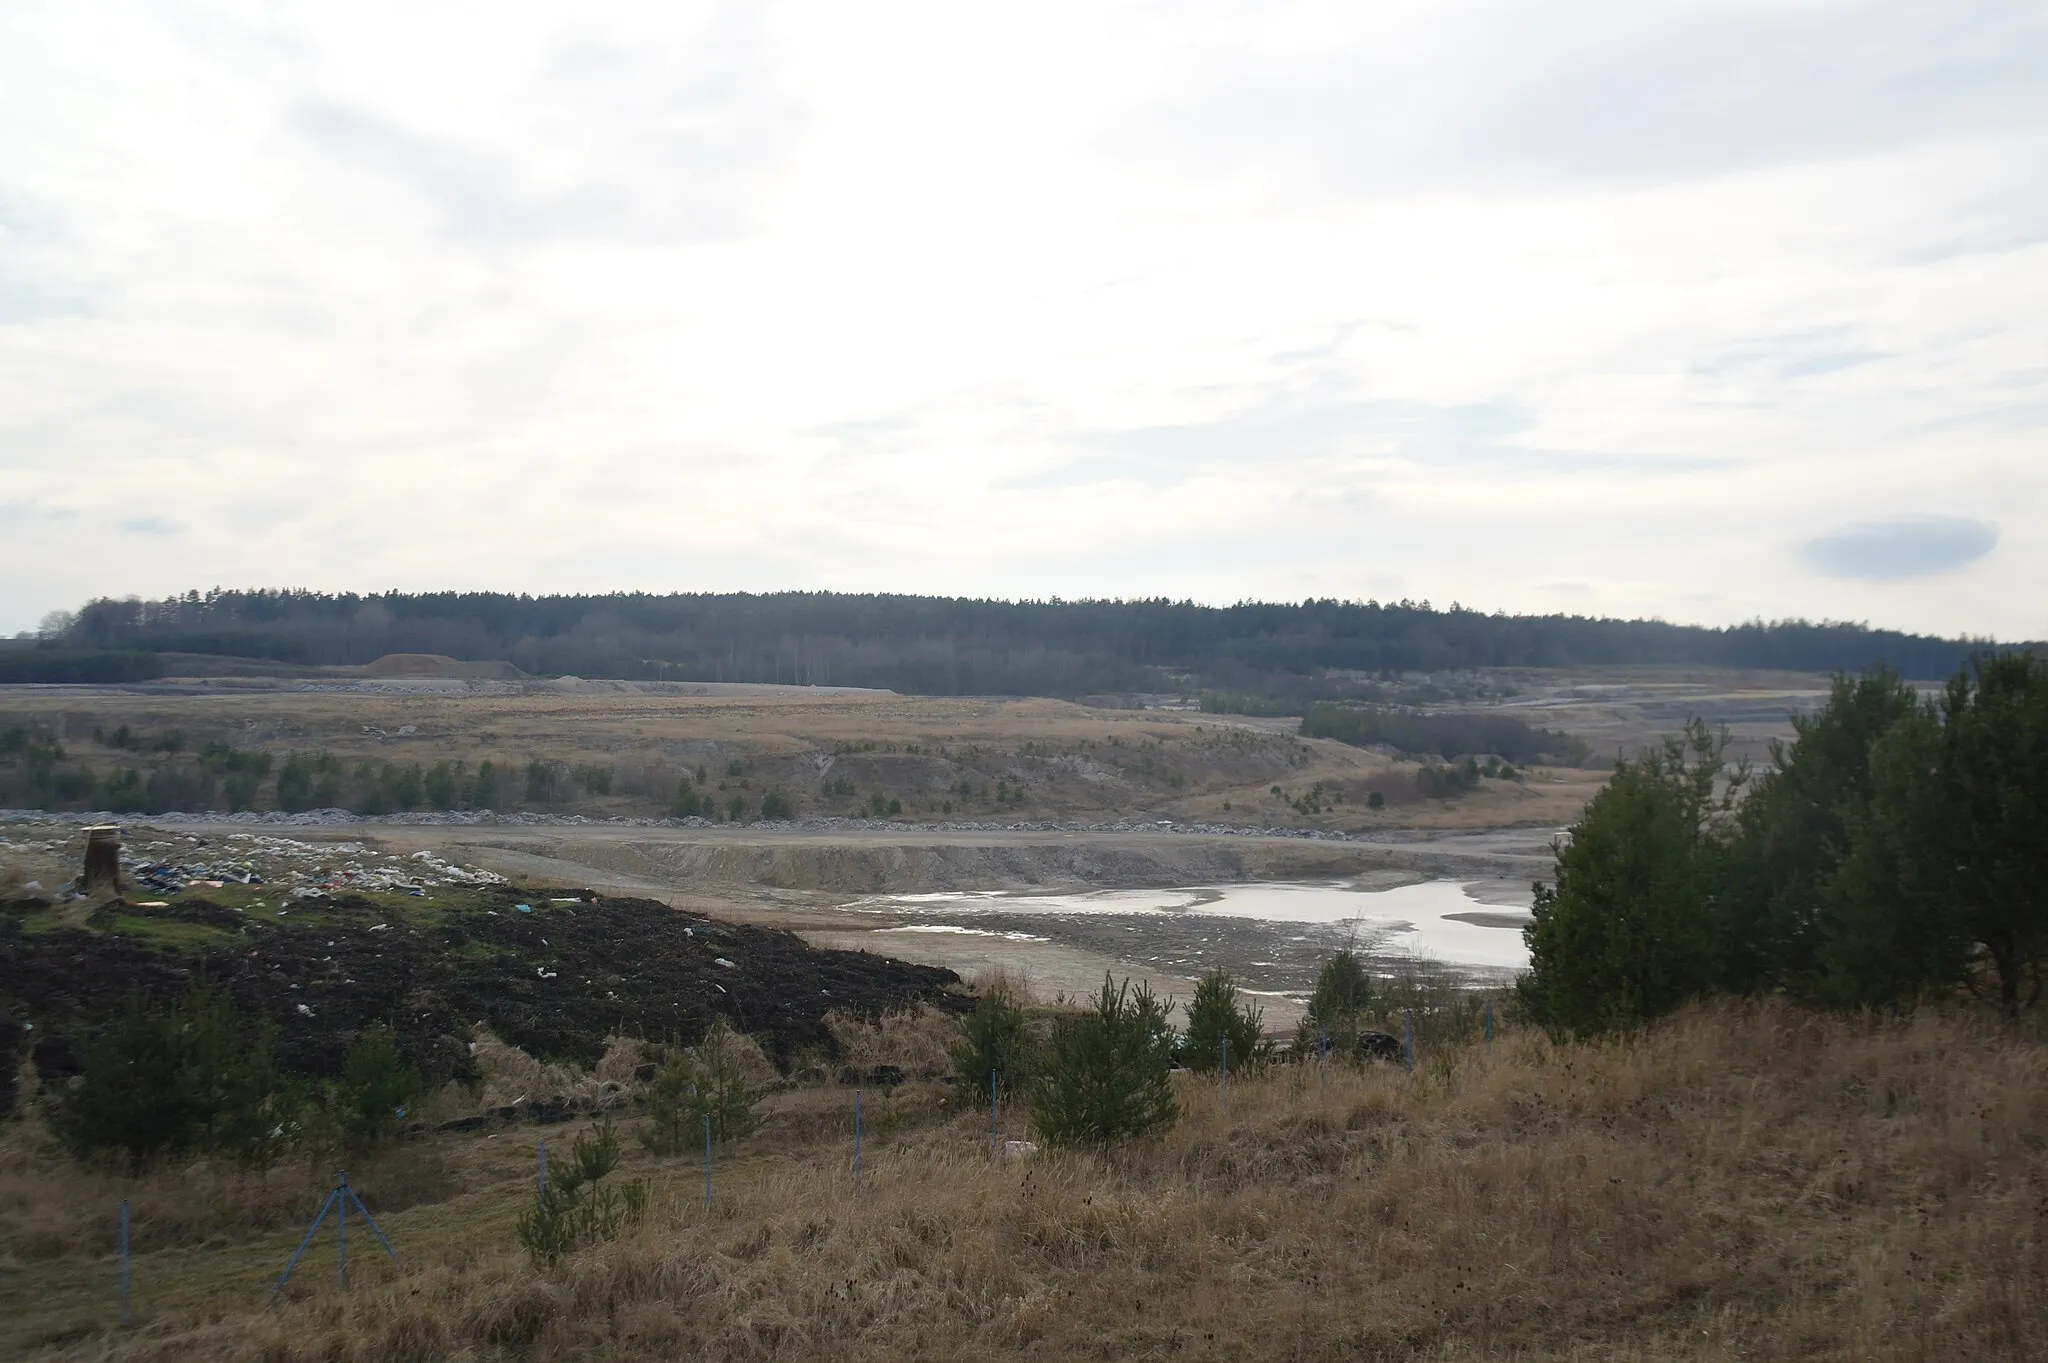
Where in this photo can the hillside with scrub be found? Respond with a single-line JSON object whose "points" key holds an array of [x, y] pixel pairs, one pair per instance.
{"points": [[1775, 1086], [1741, 1181]]}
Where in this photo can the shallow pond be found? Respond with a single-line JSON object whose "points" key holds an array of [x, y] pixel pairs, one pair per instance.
{"points": [[1273, 936]]}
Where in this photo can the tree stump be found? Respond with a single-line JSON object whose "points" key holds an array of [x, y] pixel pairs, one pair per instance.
{"points": [[102, 874]]}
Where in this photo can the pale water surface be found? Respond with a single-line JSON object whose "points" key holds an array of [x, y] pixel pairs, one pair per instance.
{"points": [[1436, 921]]}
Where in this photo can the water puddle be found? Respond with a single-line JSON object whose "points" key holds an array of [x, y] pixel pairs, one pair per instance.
{"points": [[1439, 922]]}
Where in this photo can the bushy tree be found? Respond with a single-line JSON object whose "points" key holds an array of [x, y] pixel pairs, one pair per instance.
{"points": [[1792, 832], [1946, 877], [1337, 1008], [995, 1039], [370, 1100], [542, 782], [709, 1080], [775, 805], [483, 790], [689, 801], [195, 1076], [442, 785], [1107, 1075], [1627, 932], [1219, 1013], [308, 781]]}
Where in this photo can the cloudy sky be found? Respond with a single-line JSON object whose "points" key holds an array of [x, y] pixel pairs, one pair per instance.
{"points": [[1700, 310]]}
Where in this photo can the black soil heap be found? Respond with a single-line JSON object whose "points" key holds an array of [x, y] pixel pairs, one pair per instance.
{"points": [[555, 981]]}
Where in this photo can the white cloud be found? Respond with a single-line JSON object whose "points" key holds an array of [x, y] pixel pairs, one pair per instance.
{"points": [[1526, 306]]}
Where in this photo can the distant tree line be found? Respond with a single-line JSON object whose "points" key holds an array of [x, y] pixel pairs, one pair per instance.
{"points": [[1894, 850], [955, 646], [1419, 734]]}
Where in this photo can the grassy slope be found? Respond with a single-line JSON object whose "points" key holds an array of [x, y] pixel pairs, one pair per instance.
{"points": [[1754, 1183]]}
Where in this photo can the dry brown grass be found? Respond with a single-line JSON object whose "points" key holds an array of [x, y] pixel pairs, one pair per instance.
{"points": [[916, 1042], [1744, 1182], [52, 1208], [508, 1075]]}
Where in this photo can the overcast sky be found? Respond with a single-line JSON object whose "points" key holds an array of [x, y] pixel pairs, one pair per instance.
{"points": [[1699, 310]]}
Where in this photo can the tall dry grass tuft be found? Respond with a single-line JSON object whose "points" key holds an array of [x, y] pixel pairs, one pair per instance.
{"points": [[1745, 1181], [508, 1076], [915, 1042]]}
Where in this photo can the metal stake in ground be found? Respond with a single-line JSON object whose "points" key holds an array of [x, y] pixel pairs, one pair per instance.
{"points": [[1226, 1074], [707, 1161], [856, 1142], [1489, 1022], [1408, 1038], [540, 1179], [995, 1112], [337, 1200], [127, 1317]]}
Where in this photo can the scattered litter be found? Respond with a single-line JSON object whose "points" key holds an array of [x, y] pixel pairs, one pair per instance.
{"points": [[524, 908], [305, 1011], [1019, 1149], [720, 960], [152, 904], [545, 973], [571, 900], [257, 859], [379, 927]]}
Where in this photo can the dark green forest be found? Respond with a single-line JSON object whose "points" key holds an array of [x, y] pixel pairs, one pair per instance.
{"points": [[1892, 851], [959, 646]]}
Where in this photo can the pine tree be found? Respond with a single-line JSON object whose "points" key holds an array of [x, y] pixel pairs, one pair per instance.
{"points": [[994, 1041], [707, 1081], [1216, 1014], [1108, 1074]]}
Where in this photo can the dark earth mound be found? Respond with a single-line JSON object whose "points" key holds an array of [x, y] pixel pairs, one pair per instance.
{"points": [[556, 981]]}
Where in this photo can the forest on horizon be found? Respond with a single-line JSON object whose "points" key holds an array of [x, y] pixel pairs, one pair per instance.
{"points": [[961, 646]]}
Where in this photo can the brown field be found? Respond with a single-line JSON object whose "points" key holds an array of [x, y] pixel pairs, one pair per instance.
{"points": [[941, 757], [1742, 1182]]}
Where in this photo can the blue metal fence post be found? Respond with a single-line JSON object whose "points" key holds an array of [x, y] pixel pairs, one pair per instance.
{"points": [[1324, 1077], [856, 1141], [300, 1252], [1226, 1074], [995, 1110], [375, 1229], [540, 1178], [127, 1318], [341, 1196], [707, 1161], [1408, 1038], [1489, 1022]]}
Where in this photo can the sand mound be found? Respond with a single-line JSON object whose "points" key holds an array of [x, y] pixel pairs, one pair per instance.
{"points": [[438, 665]]}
